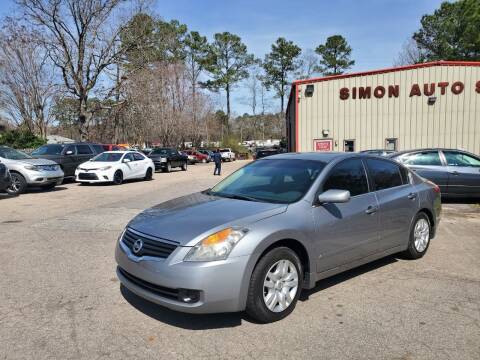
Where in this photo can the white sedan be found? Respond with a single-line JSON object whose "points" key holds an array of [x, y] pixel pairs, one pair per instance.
{"points": [[115, 166]]}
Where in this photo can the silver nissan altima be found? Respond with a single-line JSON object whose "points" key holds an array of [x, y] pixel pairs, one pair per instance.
{"points": [[273, 228]]}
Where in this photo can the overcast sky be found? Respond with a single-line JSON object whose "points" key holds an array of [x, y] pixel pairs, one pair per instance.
{"points": [[375, 29]]}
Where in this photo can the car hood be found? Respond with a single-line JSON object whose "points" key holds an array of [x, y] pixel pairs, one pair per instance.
{"points": [[185, 218], [156, 156], [35, 161], [96, 164]]}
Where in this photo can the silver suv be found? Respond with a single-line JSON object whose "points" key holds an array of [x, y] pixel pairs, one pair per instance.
{"points": [[27, 171]]}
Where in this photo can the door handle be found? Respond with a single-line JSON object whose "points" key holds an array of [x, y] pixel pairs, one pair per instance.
{"points": [[412, 196], [453, 172], [371, 209]]}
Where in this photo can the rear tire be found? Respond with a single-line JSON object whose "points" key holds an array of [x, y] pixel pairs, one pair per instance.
{"points": [[148, 175], [277, 280], [419, 237], [118, 177], [18, 184]]}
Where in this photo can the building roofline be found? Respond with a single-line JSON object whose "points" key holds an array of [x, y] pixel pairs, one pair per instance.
{"points": [[380, 71], [387, 70]]}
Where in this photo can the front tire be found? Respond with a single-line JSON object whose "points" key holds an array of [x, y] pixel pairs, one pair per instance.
{"points": [[18, 184], [118, 177], [148, 175], [419, 237], [169, 168], [184, 166], [275, 285]]}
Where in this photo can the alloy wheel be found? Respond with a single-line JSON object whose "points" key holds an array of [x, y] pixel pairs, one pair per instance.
{"points": [[280, 285], [421, 234]]}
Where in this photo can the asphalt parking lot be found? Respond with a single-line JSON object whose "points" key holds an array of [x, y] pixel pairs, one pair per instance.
{"points": [[60, 297]]}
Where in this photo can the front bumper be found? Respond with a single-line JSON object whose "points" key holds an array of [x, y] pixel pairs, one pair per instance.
{"points": [[218, 283], [44, 177], [93, 176]]}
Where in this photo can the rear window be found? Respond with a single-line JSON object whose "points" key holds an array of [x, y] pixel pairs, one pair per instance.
{"points": [[84, 150], [425, 158], [138, 156], [384, 174], [455, 158]]}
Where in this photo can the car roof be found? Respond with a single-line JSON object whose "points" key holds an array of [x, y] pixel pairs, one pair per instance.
{"points": [[318, 156], [427, 149]]}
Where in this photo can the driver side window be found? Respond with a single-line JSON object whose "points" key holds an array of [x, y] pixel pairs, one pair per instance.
{"points": [[348, 175]]}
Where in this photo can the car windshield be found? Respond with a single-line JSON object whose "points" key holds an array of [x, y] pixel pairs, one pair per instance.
{"points": [[160, 152], [12, 154], [224, 150], [48, 150], [108, 157], [271, 180]]}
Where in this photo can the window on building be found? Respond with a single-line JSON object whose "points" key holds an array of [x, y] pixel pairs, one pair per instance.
{"points": [[349, 145], [348, 175], [384, 174], [430, 158], [455, 158], [391, 144]]}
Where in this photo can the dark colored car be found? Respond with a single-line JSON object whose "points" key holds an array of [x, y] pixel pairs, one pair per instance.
{"points": [[379, 152], [166, 159], [68, 156], [261, 153], [5, 178], [456, 172]]}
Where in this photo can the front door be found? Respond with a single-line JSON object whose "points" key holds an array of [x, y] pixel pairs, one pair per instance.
{"points": [[347, 231]]}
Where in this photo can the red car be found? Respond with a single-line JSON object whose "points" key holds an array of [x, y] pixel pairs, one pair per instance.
{"points": [[198, 155], [113, 147]]}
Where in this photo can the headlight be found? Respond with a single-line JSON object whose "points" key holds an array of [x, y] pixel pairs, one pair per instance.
{"points": [[216, 246], [32, 167], [163, 159], [105, 168]]}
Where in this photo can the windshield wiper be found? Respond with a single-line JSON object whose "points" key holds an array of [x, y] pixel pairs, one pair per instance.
{"points": [[234, 196]]}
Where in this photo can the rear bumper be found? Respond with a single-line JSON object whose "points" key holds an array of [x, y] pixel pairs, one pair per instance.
{"points": [[217, 283]]}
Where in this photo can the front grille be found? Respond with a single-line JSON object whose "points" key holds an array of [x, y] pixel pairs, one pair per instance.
{"points": [[156, 289], [48, 167], [87, 176], [155, 248]]}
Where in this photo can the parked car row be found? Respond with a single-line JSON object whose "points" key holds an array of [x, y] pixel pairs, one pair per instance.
{"points": [[84, 162]]}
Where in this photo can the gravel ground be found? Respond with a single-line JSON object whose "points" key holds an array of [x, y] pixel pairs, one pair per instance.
{"points": [[60, 298]]}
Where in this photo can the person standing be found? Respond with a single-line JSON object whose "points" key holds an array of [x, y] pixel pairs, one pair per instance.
{"points": [[217, 158]]}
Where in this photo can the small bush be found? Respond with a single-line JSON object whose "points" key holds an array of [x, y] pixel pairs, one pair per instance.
{"points": [[21, 139], [233, 143]]}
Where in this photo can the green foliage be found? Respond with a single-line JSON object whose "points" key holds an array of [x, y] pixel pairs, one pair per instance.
{"points": [[146, 40], [21, 139], [227, 63], [196, 52], [278, 64], [452, 32], [335, 56], [232, 142]]}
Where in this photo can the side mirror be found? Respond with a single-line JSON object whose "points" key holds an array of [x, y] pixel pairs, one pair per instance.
{"points": [[334, 196], [69, 152], [126, 160]]}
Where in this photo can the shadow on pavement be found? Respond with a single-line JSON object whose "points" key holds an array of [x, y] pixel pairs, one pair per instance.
{"points": [[461, 201], [182, 320]]}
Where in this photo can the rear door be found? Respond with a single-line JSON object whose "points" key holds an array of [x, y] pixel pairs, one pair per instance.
{"points": [[84, 153], [463, 173], [427, 164], [348, 231], [398, 201]]}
